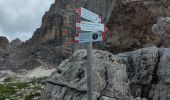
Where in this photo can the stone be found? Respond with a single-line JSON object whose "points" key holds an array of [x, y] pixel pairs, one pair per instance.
{"points": [[162, 29], [160, 90], [3, 41], [110, 81], [140, 64], [164, 66], [16, 42]]}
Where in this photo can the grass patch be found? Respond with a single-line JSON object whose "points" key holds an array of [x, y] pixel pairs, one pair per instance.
{"points": [[7, 89], [31, 96], [20, 85], [10, 88], [13, 91], [2, 97]]}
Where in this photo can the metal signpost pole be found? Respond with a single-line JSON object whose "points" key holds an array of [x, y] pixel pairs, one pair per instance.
{"points": [[89, 71]]}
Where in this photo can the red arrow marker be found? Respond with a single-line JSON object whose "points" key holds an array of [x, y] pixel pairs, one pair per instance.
{"points": [[104, 33], [78, 11]]}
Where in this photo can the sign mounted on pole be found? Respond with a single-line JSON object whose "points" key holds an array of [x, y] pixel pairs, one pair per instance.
{"points": [[96, 32], [84, 13], [88, 37], [90, 26]]}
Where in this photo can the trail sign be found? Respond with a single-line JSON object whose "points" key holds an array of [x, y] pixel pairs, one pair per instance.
{"points": [[90, 26], [88, 37], [84, 13], [94, 34]]}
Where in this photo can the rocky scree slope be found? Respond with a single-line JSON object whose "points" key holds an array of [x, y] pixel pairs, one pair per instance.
{"points": [[127, 76]]}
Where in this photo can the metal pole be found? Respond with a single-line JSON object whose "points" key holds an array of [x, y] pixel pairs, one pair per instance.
{"points": [[89, 71]]}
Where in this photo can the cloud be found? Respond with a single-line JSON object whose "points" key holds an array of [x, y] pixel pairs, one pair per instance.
{"points": [[20, 18]]}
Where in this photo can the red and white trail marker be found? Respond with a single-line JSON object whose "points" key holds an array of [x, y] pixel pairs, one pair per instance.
{"points": [[84, 13], [90, 26]]}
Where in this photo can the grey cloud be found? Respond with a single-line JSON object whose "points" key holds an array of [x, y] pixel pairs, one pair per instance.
{"points": [[21, 17]]}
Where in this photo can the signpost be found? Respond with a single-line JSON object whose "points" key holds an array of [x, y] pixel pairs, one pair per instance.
{"points": [[88, 37], [95, 32], [86, 14], [90, 26]]}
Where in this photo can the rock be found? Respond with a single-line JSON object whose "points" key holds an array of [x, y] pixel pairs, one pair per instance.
{"points": [[163, 66], [148, 72], [160, 90], [139, 98], [39, 72], [140, 64], [69, 81], [3, 41], [5, 74], [16, 42], [162, 28], [129, 25]]}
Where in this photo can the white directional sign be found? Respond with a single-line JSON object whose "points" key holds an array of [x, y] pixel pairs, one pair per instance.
{"points": [[88, 37], [90, 26], [84, 13]]}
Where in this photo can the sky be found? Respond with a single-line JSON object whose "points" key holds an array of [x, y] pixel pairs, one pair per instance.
{"points": [[20, 18]]}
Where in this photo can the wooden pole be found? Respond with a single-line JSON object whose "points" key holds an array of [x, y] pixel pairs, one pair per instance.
{"points": [[89, 71]]}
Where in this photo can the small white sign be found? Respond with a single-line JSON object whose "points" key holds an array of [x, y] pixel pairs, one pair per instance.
{"points": [[90, 26], [88, 37], [84, 13]]}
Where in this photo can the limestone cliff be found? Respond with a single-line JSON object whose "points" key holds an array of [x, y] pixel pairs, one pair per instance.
{"points": [[132, 24], [129, 21]]}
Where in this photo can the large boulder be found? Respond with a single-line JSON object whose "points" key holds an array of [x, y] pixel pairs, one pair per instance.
{"points": [[110, 81], [141, 65], [160, 90], [148, 71]]}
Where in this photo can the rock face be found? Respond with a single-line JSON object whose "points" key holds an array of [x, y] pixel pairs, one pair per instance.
{"points": [[160, 90], [3, 41], [139, 74], [162, 29], [141, 69], [129, 22], [69, 81], [148, 71], [16, 42], [131, 25]]}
